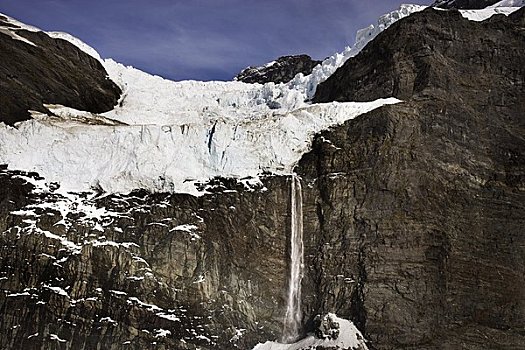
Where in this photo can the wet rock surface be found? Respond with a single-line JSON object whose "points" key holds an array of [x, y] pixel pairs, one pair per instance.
{"points": [[52, 71], [282, 70]]}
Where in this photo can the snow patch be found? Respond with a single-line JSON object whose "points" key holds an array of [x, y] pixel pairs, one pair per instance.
{"points": [[168, 317], [23, 294], [187, 228], [57, 338], [98, 243], [509, 3], [161, 333], [71, 246], [118, 292], [486, 13], [150, 307], [12, 33], [57, 290], [108, 320], [349, 338]]}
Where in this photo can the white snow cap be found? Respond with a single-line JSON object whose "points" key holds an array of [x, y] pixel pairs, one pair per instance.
{"points": [[166, 135], [11, 31]]}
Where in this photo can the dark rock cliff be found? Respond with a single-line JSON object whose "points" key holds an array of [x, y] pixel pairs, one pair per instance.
{"points": [[282, 70], [413, 221], [425, 200], [52, 71], [155, 271], [441, 55]]}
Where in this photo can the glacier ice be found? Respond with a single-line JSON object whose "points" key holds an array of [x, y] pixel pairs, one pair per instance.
{"points": [[166, 136]]}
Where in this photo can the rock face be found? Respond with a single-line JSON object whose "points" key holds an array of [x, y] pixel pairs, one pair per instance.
{"points": [[464, 4], [413, 221], [282, 70], [420, 205], [441, 54], [51, 71], [173, 271]]}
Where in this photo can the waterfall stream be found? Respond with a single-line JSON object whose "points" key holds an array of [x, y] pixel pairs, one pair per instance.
{"points": [[293, 315]]}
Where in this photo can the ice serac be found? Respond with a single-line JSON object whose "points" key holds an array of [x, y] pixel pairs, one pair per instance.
{"points": [[293, 316]]}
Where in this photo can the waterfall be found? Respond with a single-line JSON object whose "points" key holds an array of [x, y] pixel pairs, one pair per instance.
{"points": [[293, 315]]}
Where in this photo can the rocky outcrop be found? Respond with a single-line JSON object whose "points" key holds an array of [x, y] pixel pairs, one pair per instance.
{"points": [[326, 327], [37, 69], [418, 229], [282, 70], [464, 4]]}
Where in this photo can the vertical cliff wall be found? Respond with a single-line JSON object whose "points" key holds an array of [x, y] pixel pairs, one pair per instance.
{"points": [[419, 206]]}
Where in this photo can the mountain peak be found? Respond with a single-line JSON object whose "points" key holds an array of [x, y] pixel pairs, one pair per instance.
{"points": [[282, 70]]}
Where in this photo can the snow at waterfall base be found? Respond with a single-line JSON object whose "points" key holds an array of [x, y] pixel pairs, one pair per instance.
{"points": [[349, 338]]}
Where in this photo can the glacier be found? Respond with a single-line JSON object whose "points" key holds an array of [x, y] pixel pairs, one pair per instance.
{"points": [[170, 136]]}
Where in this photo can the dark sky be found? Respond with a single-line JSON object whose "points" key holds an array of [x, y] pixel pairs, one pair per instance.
{"points": [[204, 39]]}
